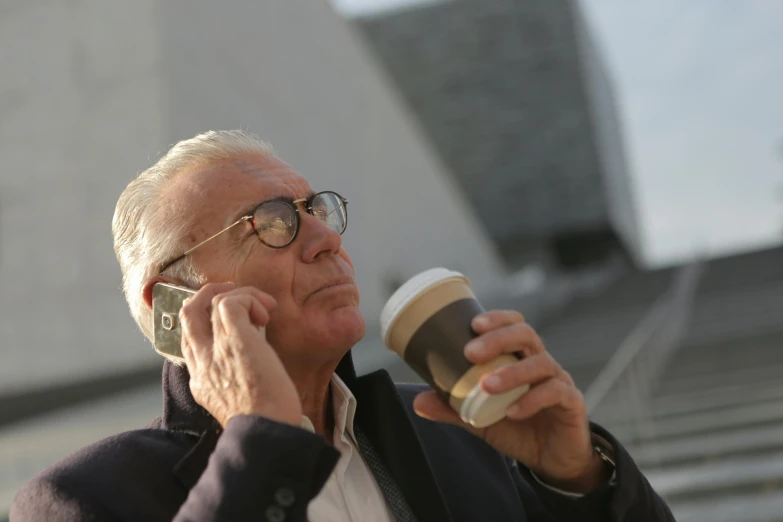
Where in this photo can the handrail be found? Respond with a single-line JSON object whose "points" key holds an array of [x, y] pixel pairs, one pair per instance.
{"points": [[640, 358]]}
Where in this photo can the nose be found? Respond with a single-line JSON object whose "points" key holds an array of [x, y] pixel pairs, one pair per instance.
{"points": [[317, 238]]}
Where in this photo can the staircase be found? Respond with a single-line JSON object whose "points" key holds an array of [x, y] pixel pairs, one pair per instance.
{"points": [[708, 431]]}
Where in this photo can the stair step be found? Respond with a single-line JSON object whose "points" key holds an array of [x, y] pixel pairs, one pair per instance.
{"points": [[707, 423], [769, 373], [748, 310], [709, 481], [614, 411], [700, 448], [763, 507], [719, 362]]}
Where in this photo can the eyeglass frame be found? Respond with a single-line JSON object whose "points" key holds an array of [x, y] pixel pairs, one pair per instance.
{"points": [[308, 204]]}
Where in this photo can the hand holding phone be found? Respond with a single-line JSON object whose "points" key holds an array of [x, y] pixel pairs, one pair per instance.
{"points": [[233, 369]]}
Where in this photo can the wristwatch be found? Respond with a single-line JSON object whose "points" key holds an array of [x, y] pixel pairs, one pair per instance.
{"points": [[604, 450]]}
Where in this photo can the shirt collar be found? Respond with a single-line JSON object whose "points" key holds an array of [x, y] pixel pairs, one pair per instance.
{"points": [[343, 409]]}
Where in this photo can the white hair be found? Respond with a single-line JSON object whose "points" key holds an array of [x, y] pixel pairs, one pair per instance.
{"points": [[143, 239]]}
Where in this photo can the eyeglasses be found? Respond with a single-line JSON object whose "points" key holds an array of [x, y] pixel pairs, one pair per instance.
{"points": [[276, 222]]}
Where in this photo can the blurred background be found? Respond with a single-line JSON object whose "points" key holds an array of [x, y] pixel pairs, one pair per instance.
{"points": [[612, 169]]}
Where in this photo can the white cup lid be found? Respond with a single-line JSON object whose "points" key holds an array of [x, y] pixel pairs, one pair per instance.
{"points": [[482, 409], [408, 291]]}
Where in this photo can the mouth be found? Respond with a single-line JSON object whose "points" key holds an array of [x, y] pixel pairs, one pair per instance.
{"points": [[334, 285]]}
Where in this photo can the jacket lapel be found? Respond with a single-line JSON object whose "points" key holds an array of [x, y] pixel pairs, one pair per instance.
{"points": [[182, 413], [384, 419]]}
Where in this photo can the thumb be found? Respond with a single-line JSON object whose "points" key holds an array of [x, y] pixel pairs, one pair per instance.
{"points": [[431, 407]]}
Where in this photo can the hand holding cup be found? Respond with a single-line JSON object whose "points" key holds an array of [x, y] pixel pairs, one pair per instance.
{"points": [[491, 375]]}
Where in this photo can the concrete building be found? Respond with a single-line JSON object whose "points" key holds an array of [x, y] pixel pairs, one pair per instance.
{"points": [[92, 91], [517, 100]]}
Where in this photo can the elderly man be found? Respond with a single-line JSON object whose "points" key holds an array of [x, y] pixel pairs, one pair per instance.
{"points": [[278, 427]]}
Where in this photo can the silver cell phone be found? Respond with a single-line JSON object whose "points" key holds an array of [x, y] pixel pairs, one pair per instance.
{"points": [[166, 302]]}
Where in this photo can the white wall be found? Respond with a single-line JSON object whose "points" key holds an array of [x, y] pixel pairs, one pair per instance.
{"points": [[91, 92], [80, 106]]}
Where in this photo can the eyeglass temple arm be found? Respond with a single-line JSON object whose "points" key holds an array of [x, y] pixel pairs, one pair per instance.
{"points": [[210, 238], [207, 240]]}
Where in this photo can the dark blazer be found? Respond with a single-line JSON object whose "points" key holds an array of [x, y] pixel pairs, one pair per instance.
{"points": [[184, 468]]}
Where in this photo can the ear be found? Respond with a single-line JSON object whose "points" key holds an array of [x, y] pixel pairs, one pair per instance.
{"points": [[150, 283]]}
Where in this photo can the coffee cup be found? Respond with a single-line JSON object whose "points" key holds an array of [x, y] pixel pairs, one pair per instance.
{"points": [[427, 322]]}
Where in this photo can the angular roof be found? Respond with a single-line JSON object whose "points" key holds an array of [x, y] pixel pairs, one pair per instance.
{"points": [[499, 87]]}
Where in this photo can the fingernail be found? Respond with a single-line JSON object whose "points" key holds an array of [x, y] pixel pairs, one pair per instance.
{"points": [[480, 322], [492, 382], [423, 415], [513, 411], [474, 347]]}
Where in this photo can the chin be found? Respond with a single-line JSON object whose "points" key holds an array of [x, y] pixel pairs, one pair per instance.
{"points": [[346, 327], [352, 321]]}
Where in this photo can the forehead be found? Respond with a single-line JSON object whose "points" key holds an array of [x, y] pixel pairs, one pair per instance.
{"points": [[221, 188]]}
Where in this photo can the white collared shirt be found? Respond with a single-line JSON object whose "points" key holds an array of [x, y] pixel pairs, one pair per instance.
{"points": [[351, 494]]}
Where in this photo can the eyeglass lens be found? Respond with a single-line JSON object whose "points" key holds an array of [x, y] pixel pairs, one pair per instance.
{"points": [[276, 224]]}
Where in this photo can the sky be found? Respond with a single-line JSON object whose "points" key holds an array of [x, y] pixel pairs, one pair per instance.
{"points": [[699, 88]]}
